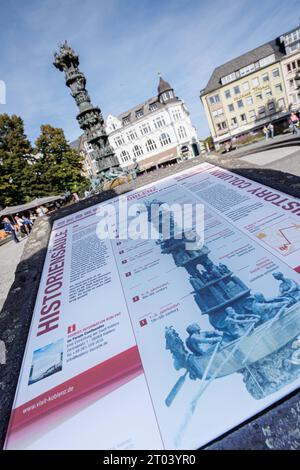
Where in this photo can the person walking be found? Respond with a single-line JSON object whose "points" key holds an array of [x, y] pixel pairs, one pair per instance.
{"points": [[271, 130], [266, 132], [9, 228], [27, 224], [294, 123], [20, 224]]}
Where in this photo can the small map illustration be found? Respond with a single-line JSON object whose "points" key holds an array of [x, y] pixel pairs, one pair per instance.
{"points": [[283, 237]]}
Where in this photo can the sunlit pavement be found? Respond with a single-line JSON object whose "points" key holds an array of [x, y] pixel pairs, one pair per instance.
{"points": [[281, 153], [10, 255]]}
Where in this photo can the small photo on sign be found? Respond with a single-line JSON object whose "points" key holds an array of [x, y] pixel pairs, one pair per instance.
{"points": [[46, 361]]}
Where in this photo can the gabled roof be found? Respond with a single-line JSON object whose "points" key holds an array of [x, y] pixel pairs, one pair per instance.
{"points": [[272, 47]]}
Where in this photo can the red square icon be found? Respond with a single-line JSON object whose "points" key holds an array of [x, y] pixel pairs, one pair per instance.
{"points": [[136, 298], [143, 322], [71, 328]]}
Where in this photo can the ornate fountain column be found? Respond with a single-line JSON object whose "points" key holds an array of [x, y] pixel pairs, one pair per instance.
{"points": [[90, 118]]}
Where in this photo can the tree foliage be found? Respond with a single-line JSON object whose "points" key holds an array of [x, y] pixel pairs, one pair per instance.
{"points": [[57, 166], [15, 151], [52, 167]]}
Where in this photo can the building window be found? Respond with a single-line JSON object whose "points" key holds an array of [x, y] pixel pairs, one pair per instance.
{"points": [[231, 108], [137, 151], [222, 125], [150, 145], [249, 100], [227, 94], [246, 70], [214, 99], [233, 122], [259, 96], [164, 139], [245, 86], [217, 112], [261, 111], [228, 78], [271, 106], [281, 104], [139, 113], [243, 118], [291, 84], [236, 89], [153, 107], [252, 115], [125, 157], [131, 135], [88, 147], [268, 92], [119, 141], [240, 104], [265, 77], [126, 120], [145, 129], [167, 95], [159, 122], [275, 73], [176, 114], [267, 60], [278, 88], [255, 82], [181, 132]]}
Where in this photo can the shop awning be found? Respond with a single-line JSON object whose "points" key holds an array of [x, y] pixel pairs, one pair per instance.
{"points": [[29, 205]]}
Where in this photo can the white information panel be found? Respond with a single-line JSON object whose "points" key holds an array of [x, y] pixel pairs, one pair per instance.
{"points": [[143, 344]]}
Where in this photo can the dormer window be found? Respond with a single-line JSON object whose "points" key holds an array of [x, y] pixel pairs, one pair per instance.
{"points": [[126, 120], [153, 107], [167, 95], [139, 113]]}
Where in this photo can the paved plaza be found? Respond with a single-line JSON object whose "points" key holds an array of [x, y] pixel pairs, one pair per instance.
{"points": [[281, 153], [10, 255]]}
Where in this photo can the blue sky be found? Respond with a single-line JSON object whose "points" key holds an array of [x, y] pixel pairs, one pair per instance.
{"points": [[123, 44]]}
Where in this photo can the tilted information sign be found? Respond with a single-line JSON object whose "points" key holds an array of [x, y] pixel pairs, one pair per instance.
{"points": [[141, 343]]}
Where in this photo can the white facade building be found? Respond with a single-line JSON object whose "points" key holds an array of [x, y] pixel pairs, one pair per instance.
{"points": [[291, 67], [154, 132]]}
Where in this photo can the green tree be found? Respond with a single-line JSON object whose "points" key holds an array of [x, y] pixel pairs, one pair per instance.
{"points": [[57, 166], [15, 153], [209, 141]]}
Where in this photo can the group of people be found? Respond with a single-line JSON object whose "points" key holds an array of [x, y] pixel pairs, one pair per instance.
{"points": [[268, 131], [21, 225]]}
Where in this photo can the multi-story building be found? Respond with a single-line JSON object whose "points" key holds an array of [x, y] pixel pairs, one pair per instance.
{"points": [[156, 131], [88, 155], [247, 92], [291, 67]]}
